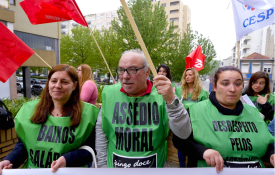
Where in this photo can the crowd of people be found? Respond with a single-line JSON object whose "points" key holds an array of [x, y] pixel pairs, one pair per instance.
{"points": [[131, 128]]}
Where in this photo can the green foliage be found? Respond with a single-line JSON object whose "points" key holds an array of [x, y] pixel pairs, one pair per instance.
{"points": [[14, 105]]}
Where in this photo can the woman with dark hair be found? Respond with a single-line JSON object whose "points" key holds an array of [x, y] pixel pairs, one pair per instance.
{"points": [[227, 132], [52, 130], [87, 85], [163, 69], [258, 90]]}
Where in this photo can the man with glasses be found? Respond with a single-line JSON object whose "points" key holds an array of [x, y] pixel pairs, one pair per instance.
{"points": [[132, 126]]}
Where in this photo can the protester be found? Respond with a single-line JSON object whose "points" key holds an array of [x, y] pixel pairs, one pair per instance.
{"points": [[190, 92], [226, 131], [88, 87], [51, 130], [271, 128], [163, 69], [132, 126], [258, 91]]}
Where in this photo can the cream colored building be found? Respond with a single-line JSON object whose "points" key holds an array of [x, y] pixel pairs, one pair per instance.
{"points": [[97, 21], [177, 12]]}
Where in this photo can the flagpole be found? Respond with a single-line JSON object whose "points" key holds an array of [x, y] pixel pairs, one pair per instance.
{"points": [[114, 82], [239, 61], [43, 60], [140, 40]]}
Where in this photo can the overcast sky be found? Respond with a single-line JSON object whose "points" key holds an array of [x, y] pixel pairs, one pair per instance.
{"points": [[211, 18]]}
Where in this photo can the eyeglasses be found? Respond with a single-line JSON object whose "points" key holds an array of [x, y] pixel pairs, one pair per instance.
{"points": [[130, 70]]}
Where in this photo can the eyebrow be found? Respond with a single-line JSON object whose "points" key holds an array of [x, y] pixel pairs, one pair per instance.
{"points": [[229, 80]]}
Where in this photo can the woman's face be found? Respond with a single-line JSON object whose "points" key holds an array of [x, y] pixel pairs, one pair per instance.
{"points": [[189, 76], [228, 88], [61, 86], [258, 85], [79, 72], [162, 71]]}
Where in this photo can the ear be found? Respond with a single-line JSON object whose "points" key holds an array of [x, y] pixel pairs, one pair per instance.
{"points": [[214, 87], [148, 72], [75, 85]]}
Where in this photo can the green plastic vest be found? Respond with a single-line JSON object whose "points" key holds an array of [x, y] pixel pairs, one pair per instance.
{"points": [[188, 102], [136, 127], [242, 138], [270, 99], [47, 142]]}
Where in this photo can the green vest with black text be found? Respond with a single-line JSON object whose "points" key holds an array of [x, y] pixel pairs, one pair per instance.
{"points": [[188, 102], [241, 140], [136, 127], [270, 99], [47, 142]]}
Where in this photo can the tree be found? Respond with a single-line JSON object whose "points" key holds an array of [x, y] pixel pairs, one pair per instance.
{"points": [[158, 35], [190, 41]]}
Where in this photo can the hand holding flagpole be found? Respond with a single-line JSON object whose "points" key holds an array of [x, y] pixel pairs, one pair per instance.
{"points": [[140, 40]]}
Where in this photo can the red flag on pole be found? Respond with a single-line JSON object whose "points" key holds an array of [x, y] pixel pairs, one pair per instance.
{"points": [[13, 53], [195, 59], [47, 11]]}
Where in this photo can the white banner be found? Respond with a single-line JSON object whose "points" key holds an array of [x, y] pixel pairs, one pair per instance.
{"points": [[141, 171], [248, 19], [259, 4]]}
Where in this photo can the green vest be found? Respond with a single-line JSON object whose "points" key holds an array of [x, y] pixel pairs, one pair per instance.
{"points": [[270, 99], [188, 102], [136, 127], [238, 139], [47, 142]]}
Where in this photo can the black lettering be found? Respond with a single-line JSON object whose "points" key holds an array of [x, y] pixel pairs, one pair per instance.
{"points": [[49, 134], [119, 138], [237, 127], [241, 146], [36, 158], [71, 140], [144, 142], [155, 113], [49, 160], [219, 124], [232, 143], [127, 139], [65, 134], [233, 126], [42, 159], [31, 155], [122, 118], [250, 146], [42, 132], [136, 122], [245, 127], [224, 125], [143, 113], [129, 119], [136, 140], [215, 126], [229, 125], [237, 144], [244, 144], [54, 133], [115, 115], [56, 156], [58, 133], [240, 126], [149, 114], [151, 148], [248, 123], [254, 127]]}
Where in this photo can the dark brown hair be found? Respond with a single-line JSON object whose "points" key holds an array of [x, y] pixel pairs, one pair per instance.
{"points": [[222, 69], [72, 108], [249, 91], [169, 75]]}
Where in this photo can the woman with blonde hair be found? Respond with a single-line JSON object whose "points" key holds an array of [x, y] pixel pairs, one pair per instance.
{"points": [[190, 92], [88, 87]]}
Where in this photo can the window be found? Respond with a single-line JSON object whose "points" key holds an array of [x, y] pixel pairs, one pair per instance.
{"points": [[267, 68], [164, 4], [114, 15], [245, 68], [101, 24], [173, 11], [174, 3], [109, 16], [101, 16], [108, 23], [98, 17], [12, 2], [255, 67], [97, 25], [174, 19]]}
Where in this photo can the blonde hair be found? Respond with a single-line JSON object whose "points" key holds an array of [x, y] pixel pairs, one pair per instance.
{"points": [[196, 88], [86, 73]]}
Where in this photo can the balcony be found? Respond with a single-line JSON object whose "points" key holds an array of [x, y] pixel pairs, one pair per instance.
{"points": [[245, 38], [246, 46]]}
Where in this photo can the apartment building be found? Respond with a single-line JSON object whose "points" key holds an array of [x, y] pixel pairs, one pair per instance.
{"points": [[97, 21], [43, 39], [177, 12]]}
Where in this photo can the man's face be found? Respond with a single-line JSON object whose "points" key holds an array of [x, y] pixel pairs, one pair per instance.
{"points": [[133, 84]]}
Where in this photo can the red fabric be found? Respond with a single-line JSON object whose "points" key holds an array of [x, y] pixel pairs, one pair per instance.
{"points": [[195, 59], [47, 11], [13, 53], [148, 90]]}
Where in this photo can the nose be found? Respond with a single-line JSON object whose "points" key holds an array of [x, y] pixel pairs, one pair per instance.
{"points": [[232, 88], [125, 75], [58, 84]]}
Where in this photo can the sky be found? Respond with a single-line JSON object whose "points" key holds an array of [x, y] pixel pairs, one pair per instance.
{"points": [[211, 18]]}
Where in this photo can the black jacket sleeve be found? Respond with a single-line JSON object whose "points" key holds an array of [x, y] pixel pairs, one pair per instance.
{"points": [[81, 157], [267, 110], [18, 155], [269, 152]]}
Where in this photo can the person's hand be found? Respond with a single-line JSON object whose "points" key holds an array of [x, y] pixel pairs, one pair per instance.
{"points": [[213, 159], [262, 100], [59, 163], [164, 87], [272, 160], [5, 164]]}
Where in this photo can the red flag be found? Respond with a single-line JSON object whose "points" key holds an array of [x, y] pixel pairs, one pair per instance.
{"points": [[47, 11], [13, 53], [195, 59]]}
